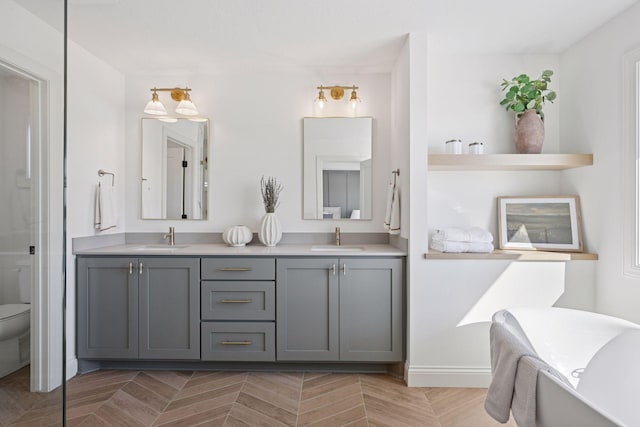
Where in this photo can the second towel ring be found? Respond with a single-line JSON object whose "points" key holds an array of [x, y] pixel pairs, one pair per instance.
{"points": [[103, 172], [396, 174]]}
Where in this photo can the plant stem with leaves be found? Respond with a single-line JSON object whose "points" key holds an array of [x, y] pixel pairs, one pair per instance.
{"points": [[271, 190], [524, 93]]}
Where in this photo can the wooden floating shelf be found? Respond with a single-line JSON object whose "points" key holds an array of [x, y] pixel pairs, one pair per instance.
{"points": [[501, 254], [507, 162]]}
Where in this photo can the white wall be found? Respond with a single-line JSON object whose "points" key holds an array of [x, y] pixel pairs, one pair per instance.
{"points": [[95, 137], [256, 129], [592, 115], [451, 302]]}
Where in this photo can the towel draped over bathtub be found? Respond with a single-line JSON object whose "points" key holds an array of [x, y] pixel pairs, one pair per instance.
{"points": [[514, 365]]}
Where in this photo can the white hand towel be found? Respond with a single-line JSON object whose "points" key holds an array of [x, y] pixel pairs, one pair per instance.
{"points": [[392, 216], [459, 247], [105, 215], [471, 234]]}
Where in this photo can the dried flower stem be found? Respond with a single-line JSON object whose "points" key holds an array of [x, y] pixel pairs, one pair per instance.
{"points": [[270, 193]]}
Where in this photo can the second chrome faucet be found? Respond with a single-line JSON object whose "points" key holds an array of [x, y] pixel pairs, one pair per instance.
{"points": [[171, 236]]}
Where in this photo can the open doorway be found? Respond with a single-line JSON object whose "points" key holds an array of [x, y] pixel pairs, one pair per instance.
{"points": [[30, 246]]}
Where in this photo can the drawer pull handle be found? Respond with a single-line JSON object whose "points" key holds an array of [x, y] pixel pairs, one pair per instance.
{"points": [[237, 342], [130, 268], [140, 269], [344, 269], [333, 269], [235, 269], [235, 301]]}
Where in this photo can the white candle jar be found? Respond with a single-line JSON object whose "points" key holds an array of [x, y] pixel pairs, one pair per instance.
{"points": [[476, 148], [453, 146]]}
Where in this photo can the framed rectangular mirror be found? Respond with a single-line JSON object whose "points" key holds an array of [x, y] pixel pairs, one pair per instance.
{"points": [[337, 168], [174, 179]]}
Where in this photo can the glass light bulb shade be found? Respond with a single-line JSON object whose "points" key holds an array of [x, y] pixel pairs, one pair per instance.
{"points": [[321, 100], [187, 108], [354, 100], [155, 107]]}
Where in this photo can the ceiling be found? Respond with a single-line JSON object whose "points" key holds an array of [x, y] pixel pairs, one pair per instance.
{"points": [[171, 36]]}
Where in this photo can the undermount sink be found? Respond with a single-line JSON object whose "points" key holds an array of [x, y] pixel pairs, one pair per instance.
{"points": [[160, 247], [334, 248]]}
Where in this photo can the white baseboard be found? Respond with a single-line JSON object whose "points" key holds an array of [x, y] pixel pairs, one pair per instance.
{"points": [[72, 368], [447, 376]]}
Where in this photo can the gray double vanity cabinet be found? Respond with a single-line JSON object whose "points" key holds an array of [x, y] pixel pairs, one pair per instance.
{"points": [[212, 304]]}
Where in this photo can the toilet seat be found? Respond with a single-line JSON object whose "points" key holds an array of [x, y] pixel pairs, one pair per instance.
{"points": [[14, 320], [9, 310]]}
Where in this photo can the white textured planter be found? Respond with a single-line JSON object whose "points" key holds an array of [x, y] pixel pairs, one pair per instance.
{"points": [[238, 235], [270, 230]]}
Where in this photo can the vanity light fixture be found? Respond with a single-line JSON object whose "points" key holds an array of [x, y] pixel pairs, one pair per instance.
{"points": [[185, 107], [337, 93], [354, 100], [154, 106]]}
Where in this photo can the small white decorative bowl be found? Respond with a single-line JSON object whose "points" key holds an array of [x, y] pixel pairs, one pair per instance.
{"points": [[238, 235]]}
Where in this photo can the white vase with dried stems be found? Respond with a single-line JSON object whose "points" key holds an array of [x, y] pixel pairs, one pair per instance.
{"points": [[270, 227]]}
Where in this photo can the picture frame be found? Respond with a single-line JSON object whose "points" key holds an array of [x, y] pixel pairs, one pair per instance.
{"points": [[551, 223]]}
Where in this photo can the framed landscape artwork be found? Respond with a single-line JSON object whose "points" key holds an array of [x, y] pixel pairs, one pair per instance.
{"points": [[549, 223]]}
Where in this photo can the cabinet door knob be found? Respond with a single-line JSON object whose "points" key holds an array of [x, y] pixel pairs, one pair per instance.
{"points": [[344, 269], [130, 268], [237, 342], [140, 269]]}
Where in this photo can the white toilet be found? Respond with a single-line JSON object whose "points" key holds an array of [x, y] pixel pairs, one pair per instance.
{"points": [[15, 324]]}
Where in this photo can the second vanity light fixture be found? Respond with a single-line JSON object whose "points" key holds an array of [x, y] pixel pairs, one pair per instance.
{"points": [[337, 93], [185, 107]]}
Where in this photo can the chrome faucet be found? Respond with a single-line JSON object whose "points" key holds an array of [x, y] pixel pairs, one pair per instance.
{"points": [[171, 236], [337, 236]]}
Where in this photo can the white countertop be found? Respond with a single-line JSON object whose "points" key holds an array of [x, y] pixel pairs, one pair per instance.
{"points": [[221, 249]]}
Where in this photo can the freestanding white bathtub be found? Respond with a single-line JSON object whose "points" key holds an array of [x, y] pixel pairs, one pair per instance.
{"points": [[599, 356]]}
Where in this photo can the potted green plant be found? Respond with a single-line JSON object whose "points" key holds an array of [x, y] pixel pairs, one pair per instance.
{"points": [[526, 97]]}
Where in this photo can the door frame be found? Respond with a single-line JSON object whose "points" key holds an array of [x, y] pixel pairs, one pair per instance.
{"points": [[47, 285]]}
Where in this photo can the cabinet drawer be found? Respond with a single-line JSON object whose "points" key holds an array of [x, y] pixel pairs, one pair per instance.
{"points": [[238, 268], [226, 300], [238, 341]]}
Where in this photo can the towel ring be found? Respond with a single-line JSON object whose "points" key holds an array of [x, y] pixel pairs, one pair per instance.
{"points": [[396, 174], [103, 172]]}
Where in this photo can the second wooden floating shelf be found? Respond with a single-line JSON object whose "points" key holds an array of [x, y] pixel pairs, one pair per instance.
{"points": [[507, 162]]}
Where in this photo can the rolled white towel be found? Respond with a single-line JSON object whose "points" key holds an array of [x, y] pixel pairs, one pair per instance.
{"points": [[470, 234], [459, 247]]}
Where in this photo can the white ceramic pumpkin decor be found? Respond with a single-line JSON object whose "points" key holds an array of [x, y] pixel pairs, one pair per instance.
{"points": [[238, 235]]}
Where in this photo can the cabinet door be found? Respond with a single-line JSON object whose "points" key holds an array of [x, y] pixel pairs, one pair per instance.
{"points": [[307, 309], [371, 305], [107, 308], [169, 308]]}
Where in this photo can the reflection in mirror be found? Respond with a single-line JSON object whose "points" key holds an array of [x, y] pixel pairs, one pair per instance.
{"points": [[337, 168], [174, 168]]}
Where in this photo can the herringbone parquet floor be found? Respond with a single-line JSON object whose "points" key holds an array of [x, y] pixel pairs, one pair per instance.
{"points": [[168, 398]]}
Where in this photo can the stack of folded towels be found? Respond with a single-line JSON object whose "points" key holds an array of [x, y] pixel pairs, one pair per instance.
{"points": [[473, 239]]}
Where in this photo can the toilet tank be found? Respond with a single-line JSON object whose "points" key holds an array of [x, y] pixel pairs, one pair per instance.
{"points": [[24, 279]]}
